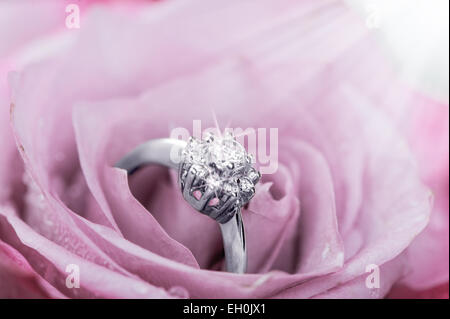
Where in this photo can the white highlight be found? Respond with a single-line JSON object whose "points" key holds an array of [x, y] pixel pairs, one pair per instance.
{"points": [[373, 280], [73, 279]]}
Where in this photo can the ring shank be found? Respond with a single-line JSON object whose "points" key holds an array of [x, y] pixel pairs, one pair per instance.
{"points": [[165, 152], [158, 151]]}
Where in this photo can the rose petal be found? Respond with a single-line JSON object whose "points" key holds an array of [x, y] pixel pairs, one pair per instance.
{"points": [[19, 280], [51, 261], [110, 187], [277, 219], [395, 206], [384, 215], [403, 292], [429, 252], [320, 243], [358, 288]]}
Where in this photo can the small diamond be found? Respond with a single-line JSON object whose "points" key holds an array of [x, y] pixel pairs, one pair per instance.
{"points": [[253, 175], [184, 173], [247, 189], [193, 153], [199, 171], [245, 185], [231, 188]]}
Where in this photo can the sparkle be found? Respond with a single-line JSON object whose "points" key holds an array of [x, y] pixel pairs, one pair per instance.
{"points": [[222, 165]]}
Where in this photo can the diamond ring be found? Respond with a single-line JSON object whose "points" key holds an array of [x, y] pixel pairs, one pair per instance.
{"points": [[216, 178]]}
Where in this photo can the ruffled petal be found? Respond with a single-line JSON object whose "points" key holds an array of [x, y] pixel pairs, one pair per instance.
{"points": [[51, 261]]}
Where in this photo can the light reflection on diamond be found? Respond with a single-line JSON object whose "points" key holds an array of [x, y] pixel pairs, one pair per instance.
{"points": [[223, 165]]}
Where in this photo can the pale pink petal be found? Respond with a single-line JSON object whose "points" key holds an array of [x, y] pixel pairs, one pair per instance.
{"points": [[362, 288], [276, 218], [429, 252], [396, 205], [19, 280], [110, 187], [51, 261], [320, 243], [354, 173], [403, 292]]}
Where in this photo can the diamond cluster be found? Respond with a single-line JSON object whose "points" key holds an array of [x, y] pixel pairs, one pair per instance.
{"points": [[220, 164]]}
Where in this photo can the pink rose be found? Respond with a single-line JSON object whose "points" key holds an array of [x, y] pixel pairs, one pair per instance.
{"points": [[347, 196]]}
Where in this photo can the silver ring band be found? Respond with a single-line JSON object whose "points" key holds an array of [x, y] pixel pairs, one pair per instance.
{"points": [[163, 152]]}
